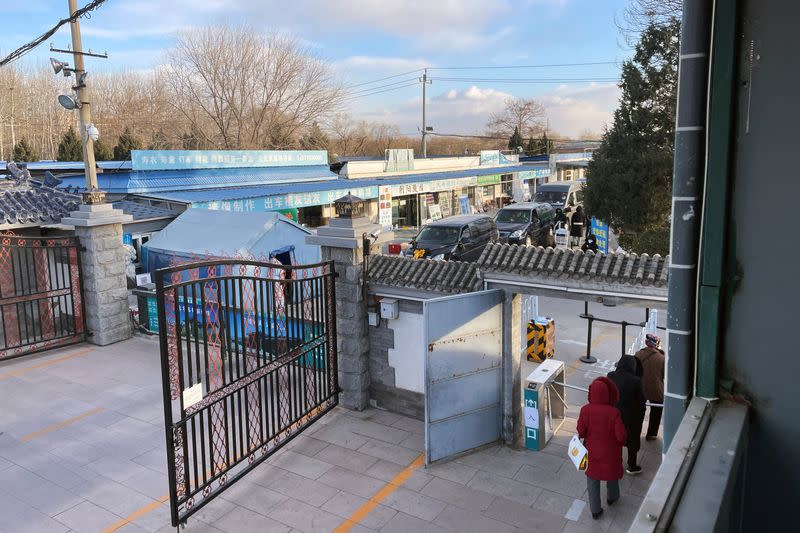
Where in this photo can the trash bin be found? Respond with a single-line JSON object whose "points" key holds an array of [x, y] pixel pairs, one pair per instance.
{"points": [[544, 408], [541, 339], [148, 307]]}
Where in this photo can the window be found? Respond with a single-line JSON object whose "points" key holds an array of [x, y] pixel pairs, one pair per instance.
{"points": [[465, 234], [513, 216], [438, 234], [579, 195]]}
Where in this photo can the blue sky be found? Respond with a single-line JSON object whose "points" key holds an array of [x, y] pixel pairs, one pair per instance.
{"points": [[370, 39]]}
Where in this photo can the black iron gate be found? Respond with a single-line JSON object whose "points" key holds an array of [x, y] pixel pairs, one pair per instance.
{"points": [[41, 304], [248, 360]]}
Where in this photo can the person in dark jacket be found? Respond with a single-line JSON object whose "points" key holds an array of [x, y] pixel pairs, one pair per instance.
{"points": [[577, 225], [590, 243], [603, 433], [652, 359], [560, 217], [631, 406]]}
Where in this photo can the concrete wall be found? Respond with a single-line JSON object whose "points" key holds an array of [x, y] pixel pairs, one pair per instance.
{"points": [[397, 374], [760, 346]]}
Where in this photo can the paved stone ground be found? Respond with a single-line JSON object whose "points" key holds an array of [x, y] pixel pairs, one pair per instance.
{"points": [[82, 449]]}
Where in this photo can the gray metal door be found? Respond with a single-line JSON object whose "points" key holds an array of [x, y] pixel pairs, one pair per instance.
{"points": [[463, 347]]}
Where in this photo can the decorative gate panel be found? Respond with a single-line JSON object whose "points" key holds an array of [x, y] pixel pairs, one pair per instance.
{"points": [[248, 356], [41, 303]]}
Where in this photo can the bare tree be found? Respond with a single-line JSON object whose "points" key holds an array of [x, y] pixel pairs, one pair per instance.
{"points": [[244, 90], [641, 13], [526, 114], [348, 138]]}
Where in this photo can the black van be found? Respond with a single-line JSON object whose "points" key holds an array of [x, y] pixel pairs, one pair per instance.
{"points": [[529, 223], [458, 238]]}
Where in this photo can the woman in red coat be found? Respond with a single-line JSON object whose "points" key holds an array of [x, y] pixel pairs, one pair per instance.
{"points": [[600, 426]]}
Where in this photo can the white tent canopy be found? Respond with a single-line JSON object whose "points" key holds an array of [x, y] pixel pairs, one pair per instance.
{"points": [[203, 232]]}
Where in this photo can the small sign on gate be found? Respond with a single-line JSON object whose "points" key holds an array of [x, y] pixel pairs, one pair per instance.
{"points": [[192, 395]]}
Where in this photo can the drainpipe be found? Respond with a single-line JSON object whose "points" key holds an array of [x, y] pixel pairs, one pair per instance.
{"points": [[687, 189]]}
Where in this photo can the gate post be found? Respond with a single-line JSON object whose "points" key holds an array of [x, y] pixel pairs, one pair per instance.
{"points": [[103, 264], [513, 422], [341, 241]]}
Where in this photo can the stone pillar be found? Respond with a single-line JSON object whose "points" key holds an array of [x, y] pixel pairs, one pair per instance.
{"points": [[342, 243], [513, 423], [103, 263]]}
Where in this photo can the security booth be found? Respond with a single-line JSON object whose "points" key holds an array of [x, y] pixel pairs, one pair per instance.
{"points": [[544, 403]]}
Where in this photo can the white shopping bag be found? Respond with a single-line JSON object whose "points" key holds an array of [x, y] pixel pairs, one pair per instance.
{"points": [[577, 453]]}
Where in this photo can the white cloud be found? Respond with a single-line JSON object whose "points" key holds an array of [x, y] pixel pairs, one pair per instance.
{"points": [[382, 64], [449, 111], [570, 110]]}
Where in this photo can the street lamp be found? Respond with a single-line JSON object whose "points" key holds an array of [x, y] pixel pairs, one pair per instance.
{"points": [[68, 102]]}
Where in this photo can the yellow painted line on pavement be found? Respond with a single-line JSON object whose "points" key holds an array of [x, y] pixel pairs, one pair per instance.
{"points": [[25, 370], [379, 496], [60, 425], [602, 336], [136, 514]]}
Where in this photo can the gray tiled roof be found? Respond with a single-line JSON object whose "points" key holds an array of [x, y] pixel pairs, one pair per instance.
{"points": [[630, 269], [144, 211], [449, 277], [27, 202]]}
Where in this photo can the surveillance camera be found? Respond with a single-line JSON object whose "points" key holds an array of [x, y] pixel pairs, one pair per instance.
{"points": [[92, 132], [375, 234]]}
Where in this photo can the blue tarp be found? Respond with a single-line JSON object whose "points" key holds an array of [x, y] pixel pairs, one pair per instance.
{"points": [[202, 233]]}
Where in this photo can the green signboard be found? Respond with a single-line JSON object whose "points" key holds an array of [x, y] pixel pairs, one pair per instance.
{"points": [[531, 411], [152, 314], [291, 214], [491, 179]]}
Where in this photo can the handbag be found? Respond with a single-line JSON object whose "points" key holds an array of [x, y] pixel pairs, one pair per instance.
{"points": [[577, 453]]}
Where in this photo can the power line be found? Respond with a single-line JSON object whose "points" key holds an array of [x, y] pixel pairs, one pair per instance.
{"points": [[527, 80], [486, 67], [379, 92], [552, 65], [386, 78], [25, 48], [383, 86]]}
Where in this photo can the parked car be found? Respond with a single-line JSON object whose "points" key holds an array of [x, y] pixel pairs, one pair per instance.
{"points": [[561, 194], [528, 223], [458, 238]]}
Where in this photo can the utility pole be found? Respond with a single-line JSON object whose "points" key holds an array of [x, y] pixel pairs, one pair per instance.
{"points": [[83, 97], [11, 119], [425, 82]]}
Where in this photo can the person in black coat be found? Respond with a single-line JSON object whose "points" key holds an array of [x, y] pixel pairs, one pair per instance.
{"points": [[631, 405], [577, 225], [560, 217], [590, 243]]}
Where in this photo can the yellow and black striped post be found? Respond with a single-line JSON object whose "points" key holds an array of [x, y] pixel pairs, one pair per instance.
{"points": [[541, 340]]}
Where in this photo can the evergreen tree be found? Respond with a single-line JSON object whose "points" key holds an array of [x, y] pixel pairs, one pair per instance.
{"points": [[545, 144], [532, 147], [314, 139], [70, 148], [126, 143], [516, 139], [102, 152], [629, 179], [24, 152]]}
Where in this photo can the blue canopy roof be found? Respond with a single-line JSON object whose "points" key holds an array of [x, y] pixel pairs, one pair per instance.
{"points": [[191, 180], [211, 195]]}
